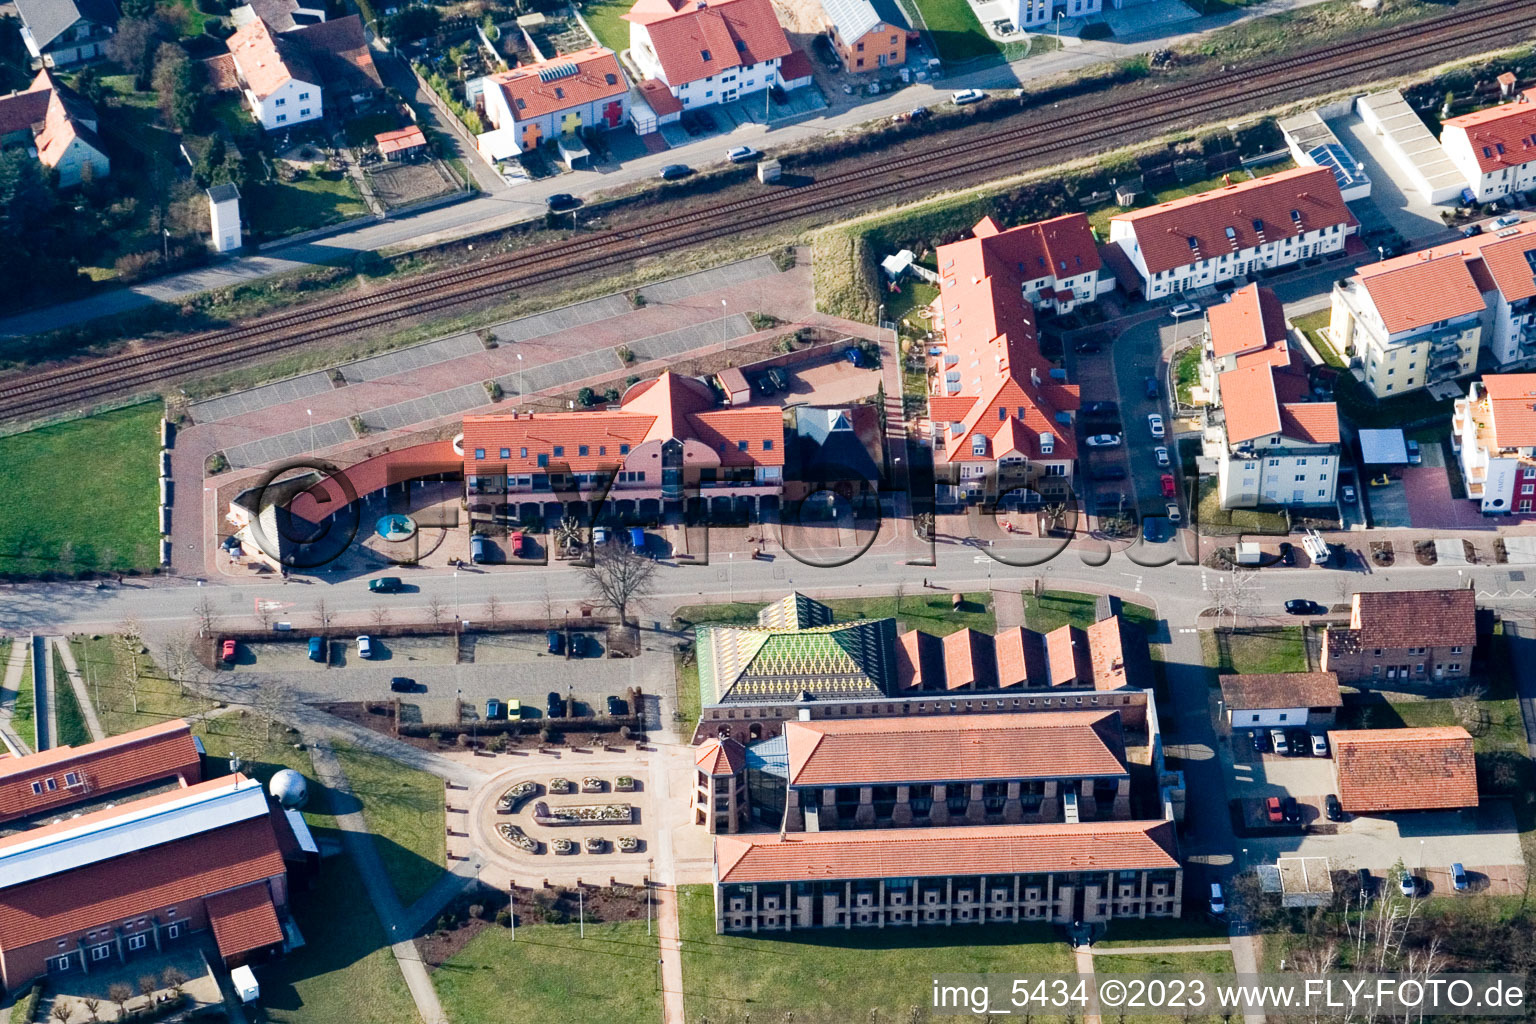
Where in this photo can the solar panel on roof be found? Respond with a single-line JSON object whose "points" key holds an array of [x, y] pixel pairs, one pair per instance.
{"points": [[1346, 172], [557, 71]]}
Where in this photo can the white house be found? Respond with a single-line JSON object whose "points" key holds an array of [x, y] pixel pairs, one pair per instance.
{"points": [[1032, 15], [1271, 445], [61, 32], [708, 51], [1229, 232], [537, 102], [1493, 431], [1494, 149], [277, 77], [57, 126], [1281, 700]]}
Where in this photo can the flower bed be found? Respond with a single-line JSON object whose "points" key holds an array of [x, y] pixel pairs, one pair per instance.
{"points": [[562, 786], [583, 814], [513, 798], [517, 837], [592, 784], [628, 844], [596, 844], [562, 845], [624, 784]]}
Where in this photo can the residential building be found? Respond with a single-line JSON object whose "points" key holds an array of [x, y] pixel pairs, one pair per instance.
{"points": [[36, 785], [57, 126], [1381, 771], [136, 877], [1230, 232], [1037, 15], [665, 444], [1281, 700], [867, 34], [708, 51], [1423, 637], [833, 451], [1000, 414], [1509, 266], [534, 103], [1271, 445], [1493, 430], [1494, 149], [58, 33], [284, 75], [280, 15], [719, 798], [1058, 873]]}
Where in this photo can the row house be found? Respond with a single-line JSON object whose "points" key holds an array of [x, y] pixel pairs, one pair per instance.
{"points": [[58, 33], [1493, 431], [1057, 873], [1000, 414], [1422, 319], [916, 772], [867, 34], [1271, 445], [664, 444], [558, 97], [708, 51], [1419, 637], [1494, 149], [1226, 233], [47, 782]]}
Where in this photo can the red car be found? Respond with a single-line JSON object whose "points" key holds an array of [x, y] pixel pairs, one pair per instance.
{"points": [[229, 652], [1272, 808], [1169, 487]]}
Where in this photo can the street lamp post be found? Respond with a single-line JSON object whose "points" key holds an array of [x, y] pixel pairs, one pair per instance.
{"points": [[520, 375], [311, 414]]}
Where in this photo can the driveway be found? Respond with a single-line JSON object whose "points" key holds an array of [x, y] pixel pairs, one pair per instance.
{"points": [[1389, 506]]}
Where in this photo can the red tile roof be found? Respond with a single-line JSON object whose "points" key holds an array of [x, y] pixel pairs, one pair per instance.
{"points": [[1502, 136], [1404, 769], [694, 39], [339, 50], [1252, 320], [1281, 690], [569, 80], [222, 74], [264, 63], [659, 98], [1061, 247], [1512, 408], [1249, 402], [20, 111], [1415, 618], [244, 920], [344, 486], [1312, 422], [135, 758], [1508, 263], [721, 756], [1421, 288], [124, 887], [400, 140], [1164, 230], [930, 852], [1108, 655], [795, 65], [970, 661], [886, 751]]}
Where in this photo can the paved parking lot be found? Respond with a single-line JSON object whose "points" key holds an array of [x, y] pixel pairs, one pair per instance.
{"points": [[1389, 506]]}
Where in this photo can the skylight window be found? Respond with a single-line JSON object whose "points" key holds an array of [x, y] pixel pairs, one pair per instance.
{"points": [[1194, 243], [1231, 234], [705, 55]]}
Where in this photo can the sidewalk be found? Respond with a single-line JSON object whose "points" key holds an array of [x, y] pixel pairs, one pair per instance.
{"points": [[13, 669]]}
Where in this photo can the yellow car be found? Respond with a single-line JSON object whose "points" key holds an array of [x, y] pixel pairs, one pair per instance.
{"points": [[1380, 481]]}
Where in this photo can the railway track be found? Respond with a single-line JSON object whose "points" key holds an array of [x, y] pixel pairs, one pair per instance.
{"points": [[1499, 23]]}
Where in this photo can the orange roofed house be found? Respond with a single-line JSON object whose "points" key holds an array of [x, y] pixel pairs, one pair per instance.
{"points": [[664, 444], [867, 34], [1494, 149], [1423, 637], [145, 857], [284, 76], [1230, 232], [534, 103], [1385, 770], [1272, 446], [708, 51], [54, 122], [1001, 416], [1494, 431]]}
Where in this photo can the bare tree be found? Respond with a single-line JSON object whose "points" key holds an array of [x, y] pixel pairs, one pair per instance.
{"points": [[119, 993], [435, 609], [173, 978], [618, 576], [492, 609], [204, 615], [322, 615], [378, 615], [147, 985], [264, 613], [62, 1011], [129, 644], [180, 661], [92, 1007], [273, 697]]}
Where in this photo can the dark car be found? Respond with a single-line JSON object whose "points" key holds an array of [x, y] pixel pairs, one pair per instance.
{"points": [[582, 645], [1287, 554], [1107, 473], [765, 384], [1471, 230], [1088, 347], [386, 585], [1150, 385], [555, 704], [1100, 409], [672, 172], [617, 706], [554, 641], [1333, 809], [1261, 741], [401, 684], [1300, 606], [1152, 529], [854, 356], [561, 201], [1291, 810], [1301, 742]]}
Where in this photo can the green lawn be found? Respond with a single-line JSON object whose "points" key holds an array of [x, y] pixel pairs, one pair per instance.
{"points": [[1055, 608], [915, 295], [841, 975], [282, 208], [1217, 961], [1313, 326], [72, 727], [185, 15], [1218, 521], [101, 513], [406, 815], [1254, 653], [548, 973], [1186, 374], [689, 700], [606, 20], [1161, 931], [120, 708], [22, 723], [955, 30]]}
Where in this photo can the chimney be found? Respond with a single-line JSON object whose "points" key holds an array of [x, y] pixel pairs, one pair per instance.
{"points": [[1226, 179]]}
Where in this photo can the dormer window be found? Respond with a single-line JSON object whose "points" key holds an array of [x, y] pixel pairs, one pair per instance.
{"points": [[1258, 225], [1194, 243], [520, 104], [1295, 215], [978, 444], [612, 78], [1231, 234], [1047, 442]]}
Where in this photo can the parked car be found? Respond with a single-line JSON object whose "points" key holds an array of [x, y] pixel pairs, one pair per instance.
{"points": [[515, 544], [1261, 742], [1103, 441], [1278, 738], [1333, 808], [364, 647], [1174, 515], [1458, 877], [1509, 220], [402, 684], [561, 201], [1100, 409], [386, 585], [1152, 529], [1160, 453], [779, 378], [1347, 493], [1272, 810], [1301, 606], [1151, 388], [920, 113], [1184, 309], [1107, 473], [742, 154], [554, 641], [1414, 455], [1218, 904], [617, 706], [764, 384], [495, 709], [582, 646], [555, 704], [1155, 424], [1087, 347], [1301, 742], [227, 652], [476, 548], [1319, 745], [1168, 484], [965, 96], [1292, 810], [316, 648], [1471, 230], [1287, 553], [1380, 480], [672, 172], [1408, 885]]}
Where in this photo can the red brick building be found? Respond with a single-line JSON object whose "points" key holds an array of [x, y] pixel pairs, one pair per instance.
{"points": [[56, 778], [1407, 636]]}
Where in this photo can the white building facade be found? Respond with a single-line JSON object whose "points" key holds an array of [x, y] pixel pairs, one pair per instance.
{"points": [[1494, 149], [1496, 444]]}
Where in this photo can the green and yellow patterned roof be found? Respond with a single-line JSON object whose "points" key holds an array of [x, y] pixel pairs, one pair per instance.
{"points": [[744, 664], [794, 611]]}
